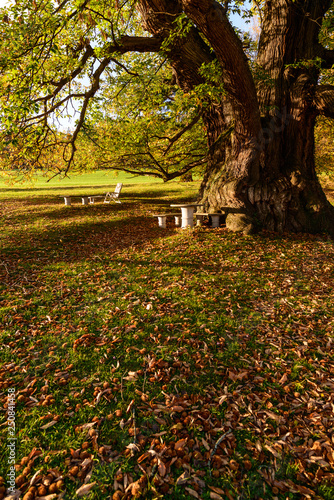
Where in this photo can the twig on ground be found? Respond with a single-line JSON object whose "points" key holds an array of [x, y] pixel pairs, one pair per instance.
{"points": [[215, 448]]}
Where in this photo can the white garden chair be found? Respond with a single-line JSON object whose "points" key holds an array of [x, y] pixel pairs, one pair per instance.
{"points": [[115, 195]]}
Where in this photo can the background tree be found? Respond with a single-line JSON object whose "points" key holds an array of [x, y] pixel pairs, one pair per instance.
{"points": [[259, 114], [143, 124], [324, 130], [324, 147]]}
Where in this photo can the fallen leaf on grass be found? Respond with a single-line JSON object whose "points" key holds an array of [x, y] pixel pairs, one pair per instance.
{"points": [[192, 492], [183, 478], [297, 488], [272, 450], [180, 444], [132, 401], [176, 427], [283, 379], [318, 461], [32, 480], [35, 452], [216, 489], [215, 496], [198, 481], [143, 457], [99, 396], [89, 425], [49, 497], [132, 447], [132, 377], [84, 489], [86, 462], [237, 376], [136, 489], [49, 424], [177, 408], [274, 416], [205, 444], [162, 468], [159, 434], [229, 496]]}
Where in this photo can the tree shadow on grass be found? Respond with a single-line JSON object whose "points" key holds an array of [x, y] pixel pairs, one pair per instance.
{"points": [[79, 241], [83, 241], [60, 190], [34, 213], [34, 236], [30, 211]]}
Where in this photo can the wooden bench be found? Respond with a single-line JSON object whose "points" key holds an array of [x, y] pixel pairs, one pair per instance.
{"points": [[163, 217], [215, 218]]}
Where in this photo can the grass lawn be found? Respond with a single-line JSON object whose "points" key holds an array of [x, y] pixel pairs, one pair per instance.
{"points": [[100, 182], [149, 363]]}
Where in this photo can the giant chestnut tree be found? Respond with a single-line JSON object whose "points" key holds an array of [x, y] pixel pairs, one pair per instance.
{"points": [[258, 112]]}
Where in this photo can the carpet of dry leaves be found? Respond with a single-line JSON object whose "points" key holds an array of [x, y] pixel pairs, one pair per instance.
{"points": [[163, 364]]}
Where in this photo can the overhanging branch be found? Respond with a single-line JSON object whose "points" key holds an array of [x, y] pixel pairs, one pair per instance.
{"points": [[161, 174], [91, 93], [125, 44], [135, 44], [183, 131]]}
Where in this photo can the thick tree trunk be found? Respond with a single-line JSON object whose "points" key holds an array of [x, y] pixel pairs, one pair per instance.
{"points": [[289, 199], [261, 167], [287, 195], [234, 159]]}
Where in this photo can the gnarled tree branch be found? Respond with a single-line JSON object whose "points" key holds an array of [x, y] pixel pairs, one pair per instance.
{"points": [[177, 136]]}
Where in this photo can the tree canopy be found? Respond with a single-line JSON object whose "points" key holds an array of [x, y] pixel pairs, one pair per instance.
{"points": [[162, 87], [80, 59]]}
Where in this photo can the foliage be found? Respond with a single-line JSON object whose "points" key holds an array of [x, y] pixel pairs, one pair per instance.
{"points": [[326, 35], [138, 120], [129, 114], [143, 124], [70, 61], [135, 122], [178, 364], [324, 146], [324, 135], [49, 70]]}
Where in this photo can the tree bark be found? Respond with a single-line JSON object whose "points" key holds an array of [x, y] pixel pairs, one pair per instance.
{"points": [[228, 175], [261, 167], [287, 195]]}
